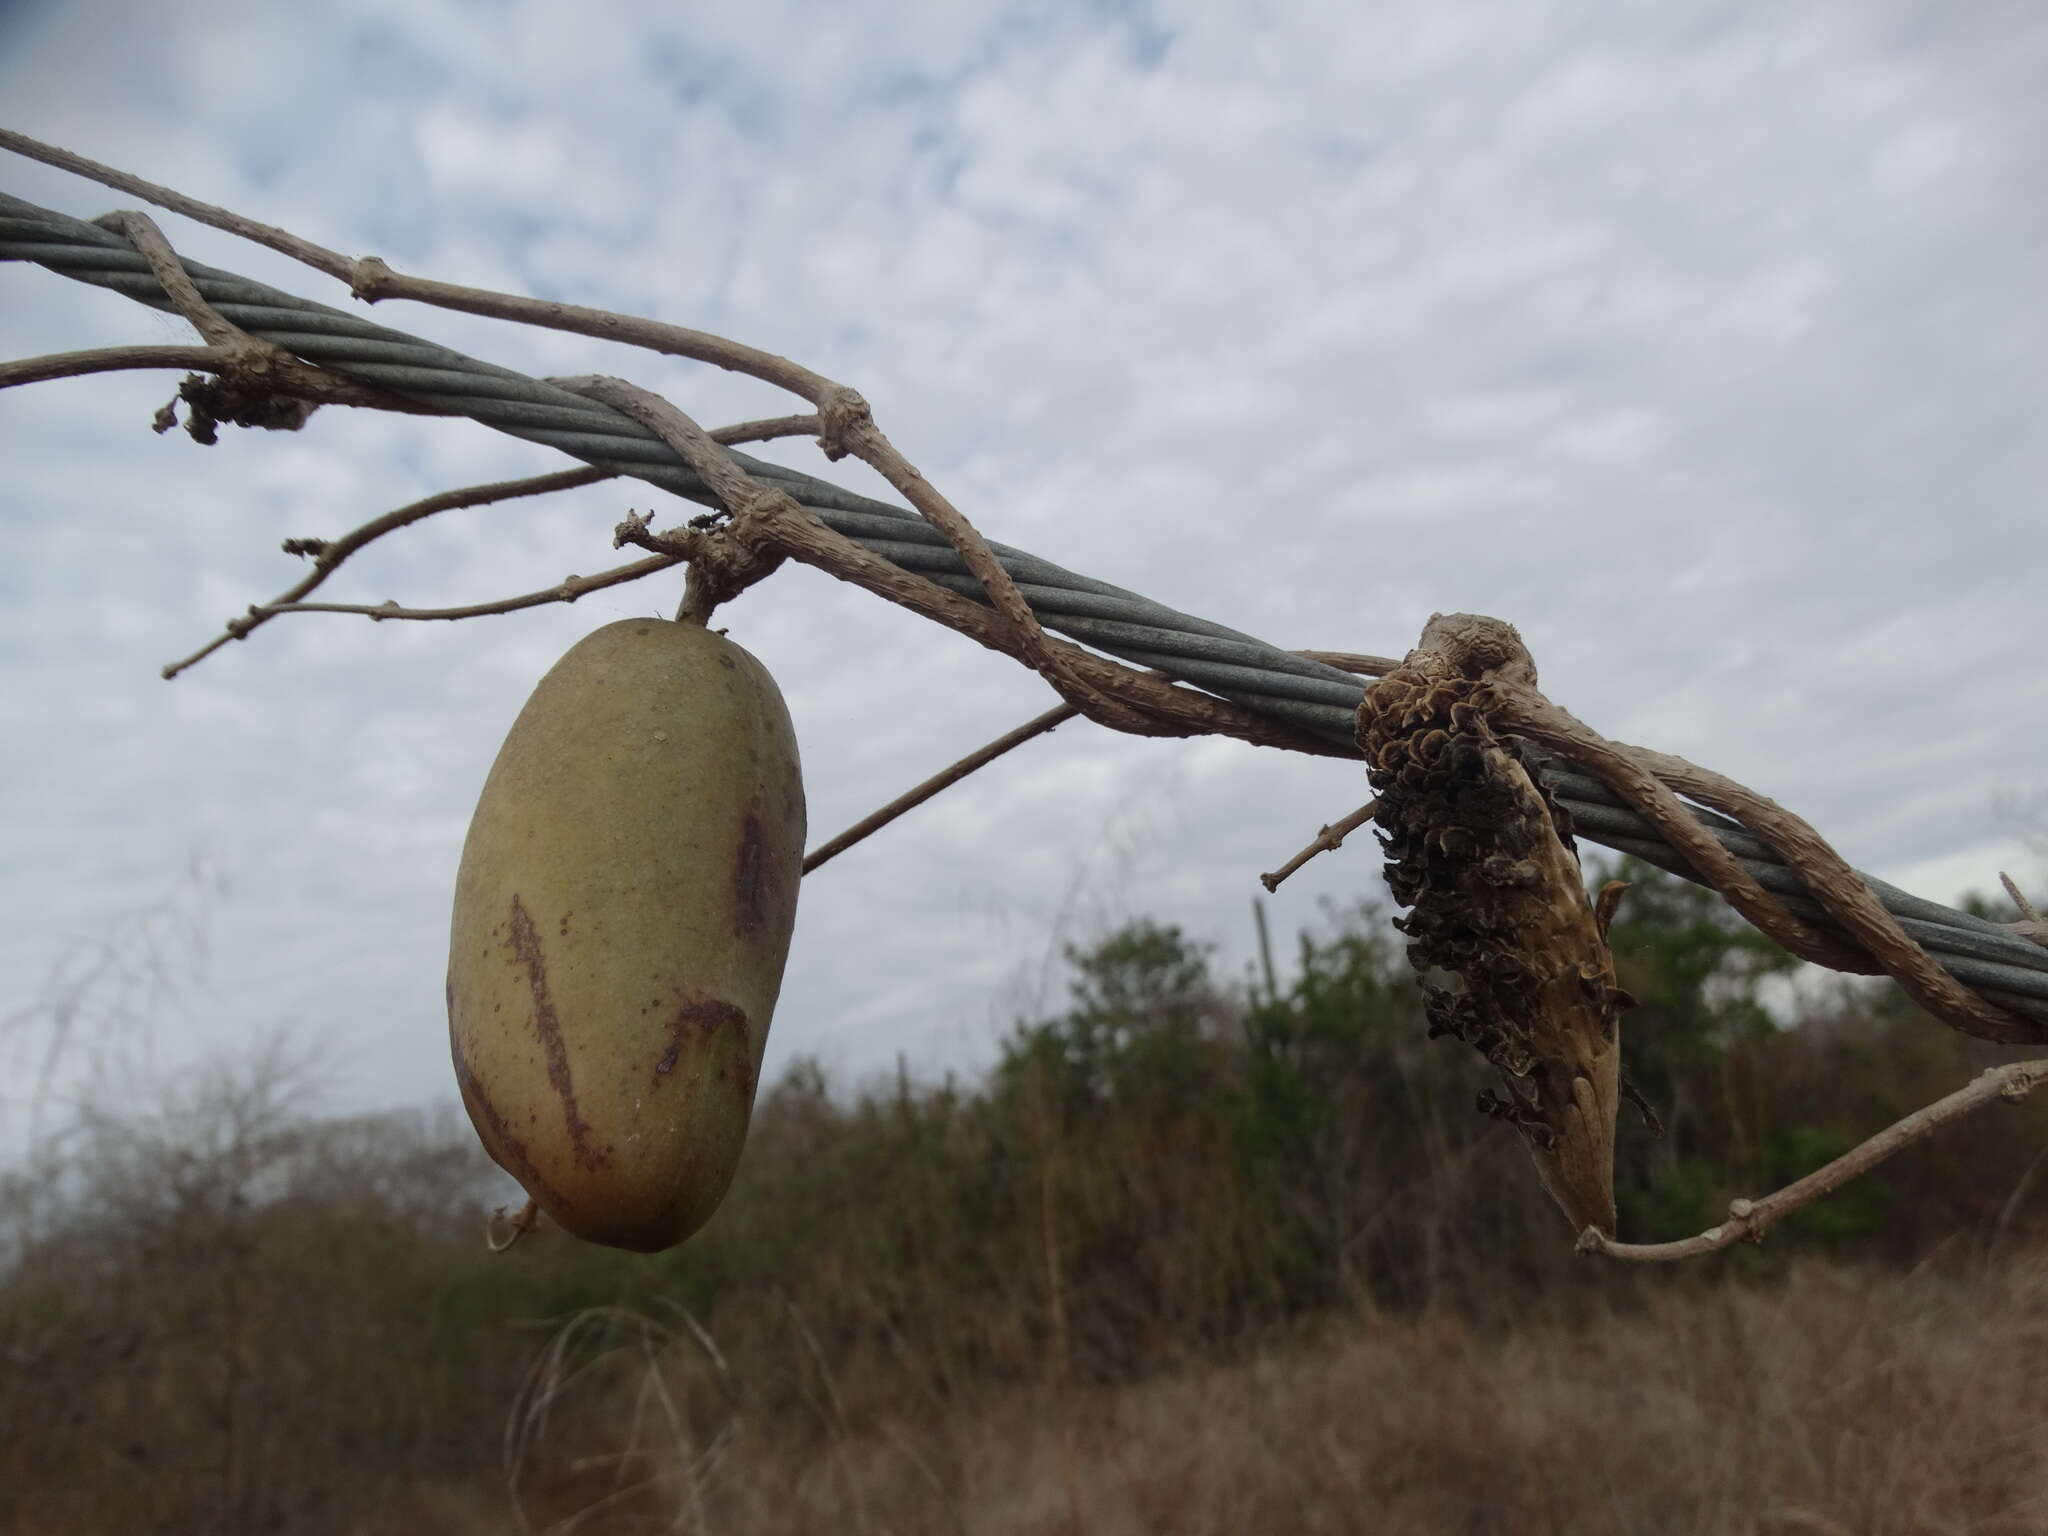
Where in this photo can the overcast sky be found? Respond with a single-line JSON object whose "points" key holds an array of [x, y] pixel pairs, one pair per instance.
{"points": [[1703, 342]]}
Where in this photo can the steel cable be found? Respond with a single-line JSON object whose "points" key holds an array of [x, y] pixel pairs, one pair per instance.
{"points": [[1308, 695]]}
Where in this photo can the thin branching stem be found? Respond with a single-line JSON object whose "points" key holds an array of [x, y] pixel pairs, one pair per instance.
{"points": [[140, 231], [318, 257], [768, 517], [327, 556], [910, 799], [1328, 840], [567, 590], [1749, 1220], [1646, 782], [770, 428], [72, 365], [850, 428], [253, 364]]}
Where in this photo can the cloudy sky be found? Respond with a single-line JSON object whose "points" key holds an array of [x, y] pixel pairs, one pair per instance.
{"points": [[1703, 342]]}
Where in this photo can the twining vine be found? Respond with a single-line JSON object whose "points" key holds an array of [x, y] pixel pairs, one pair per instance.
{"points": [[1463, 750]]}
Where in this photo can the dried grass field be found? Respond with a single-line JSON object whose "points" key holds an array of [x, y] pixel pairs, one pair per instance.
{"points": [[1192, 1257]]}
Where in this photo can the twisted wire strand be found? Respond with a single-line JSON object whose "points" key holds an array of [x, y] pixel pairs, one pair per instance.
{"points": [[1309, 695]]}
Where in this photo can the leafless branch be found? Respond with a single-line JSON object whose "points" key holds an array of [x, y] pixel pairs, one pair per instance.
{"points": [[371, 280], [567, 590], [848, 424], [868, 825], [1328, 840], [720, 471], [763, 431], [304, 383], [70, 365], [1193, 713], [177, 202], [768, 517], [759, 511], [850, 428], [329, 555], [729, 559], [252, 370], [1646, 780], [1749, 1220], [140, 231], [1117, 695]]}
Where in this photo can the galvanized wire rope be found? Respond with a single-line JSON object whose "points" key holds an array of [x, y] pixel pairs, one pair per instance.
{"points": [[2004, 967]]}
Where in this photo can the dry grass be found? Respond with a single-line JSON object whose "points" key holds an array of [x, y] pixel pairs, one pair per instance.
{"points": [[1839, 1400], [1178, 1264]]}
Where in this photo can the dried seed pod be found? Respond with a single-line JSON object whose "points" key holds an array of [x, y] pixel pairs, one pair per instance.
{"points": [[1511, 952]]}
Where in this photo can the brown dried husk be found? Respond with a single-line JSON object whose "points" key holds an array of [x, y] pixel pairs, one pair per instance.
{"points": [[1510, 950]]}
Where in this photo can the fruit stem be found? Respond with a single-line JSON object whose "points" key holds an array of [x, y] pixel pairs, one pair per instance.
{"points": [[700, 597]]}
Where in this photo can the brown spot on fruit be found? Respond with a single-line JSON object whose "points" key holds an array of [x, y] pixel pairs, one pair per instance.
{"points": [[526, 948], [698, 1022]]}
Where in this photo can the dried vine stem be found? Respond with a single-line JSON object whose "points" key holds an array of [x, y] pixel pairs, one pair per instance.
{"points": [[203, 213], [910, 799], [769, 517], [328, 555], [1646, 780], [806, 425], [73, 365], [567, 590], [140, 231], [253, 372], [850, 428], [848, 425], [315, 386], [371, 279], [810, 542], [258, 370], [1328, 840], [1103, 689], [1749, 1220], [724, 561]]}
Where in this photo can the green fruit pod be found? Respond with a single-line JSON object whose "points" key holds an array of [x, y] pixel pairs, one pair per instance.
{"points": [[622, 914]]}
